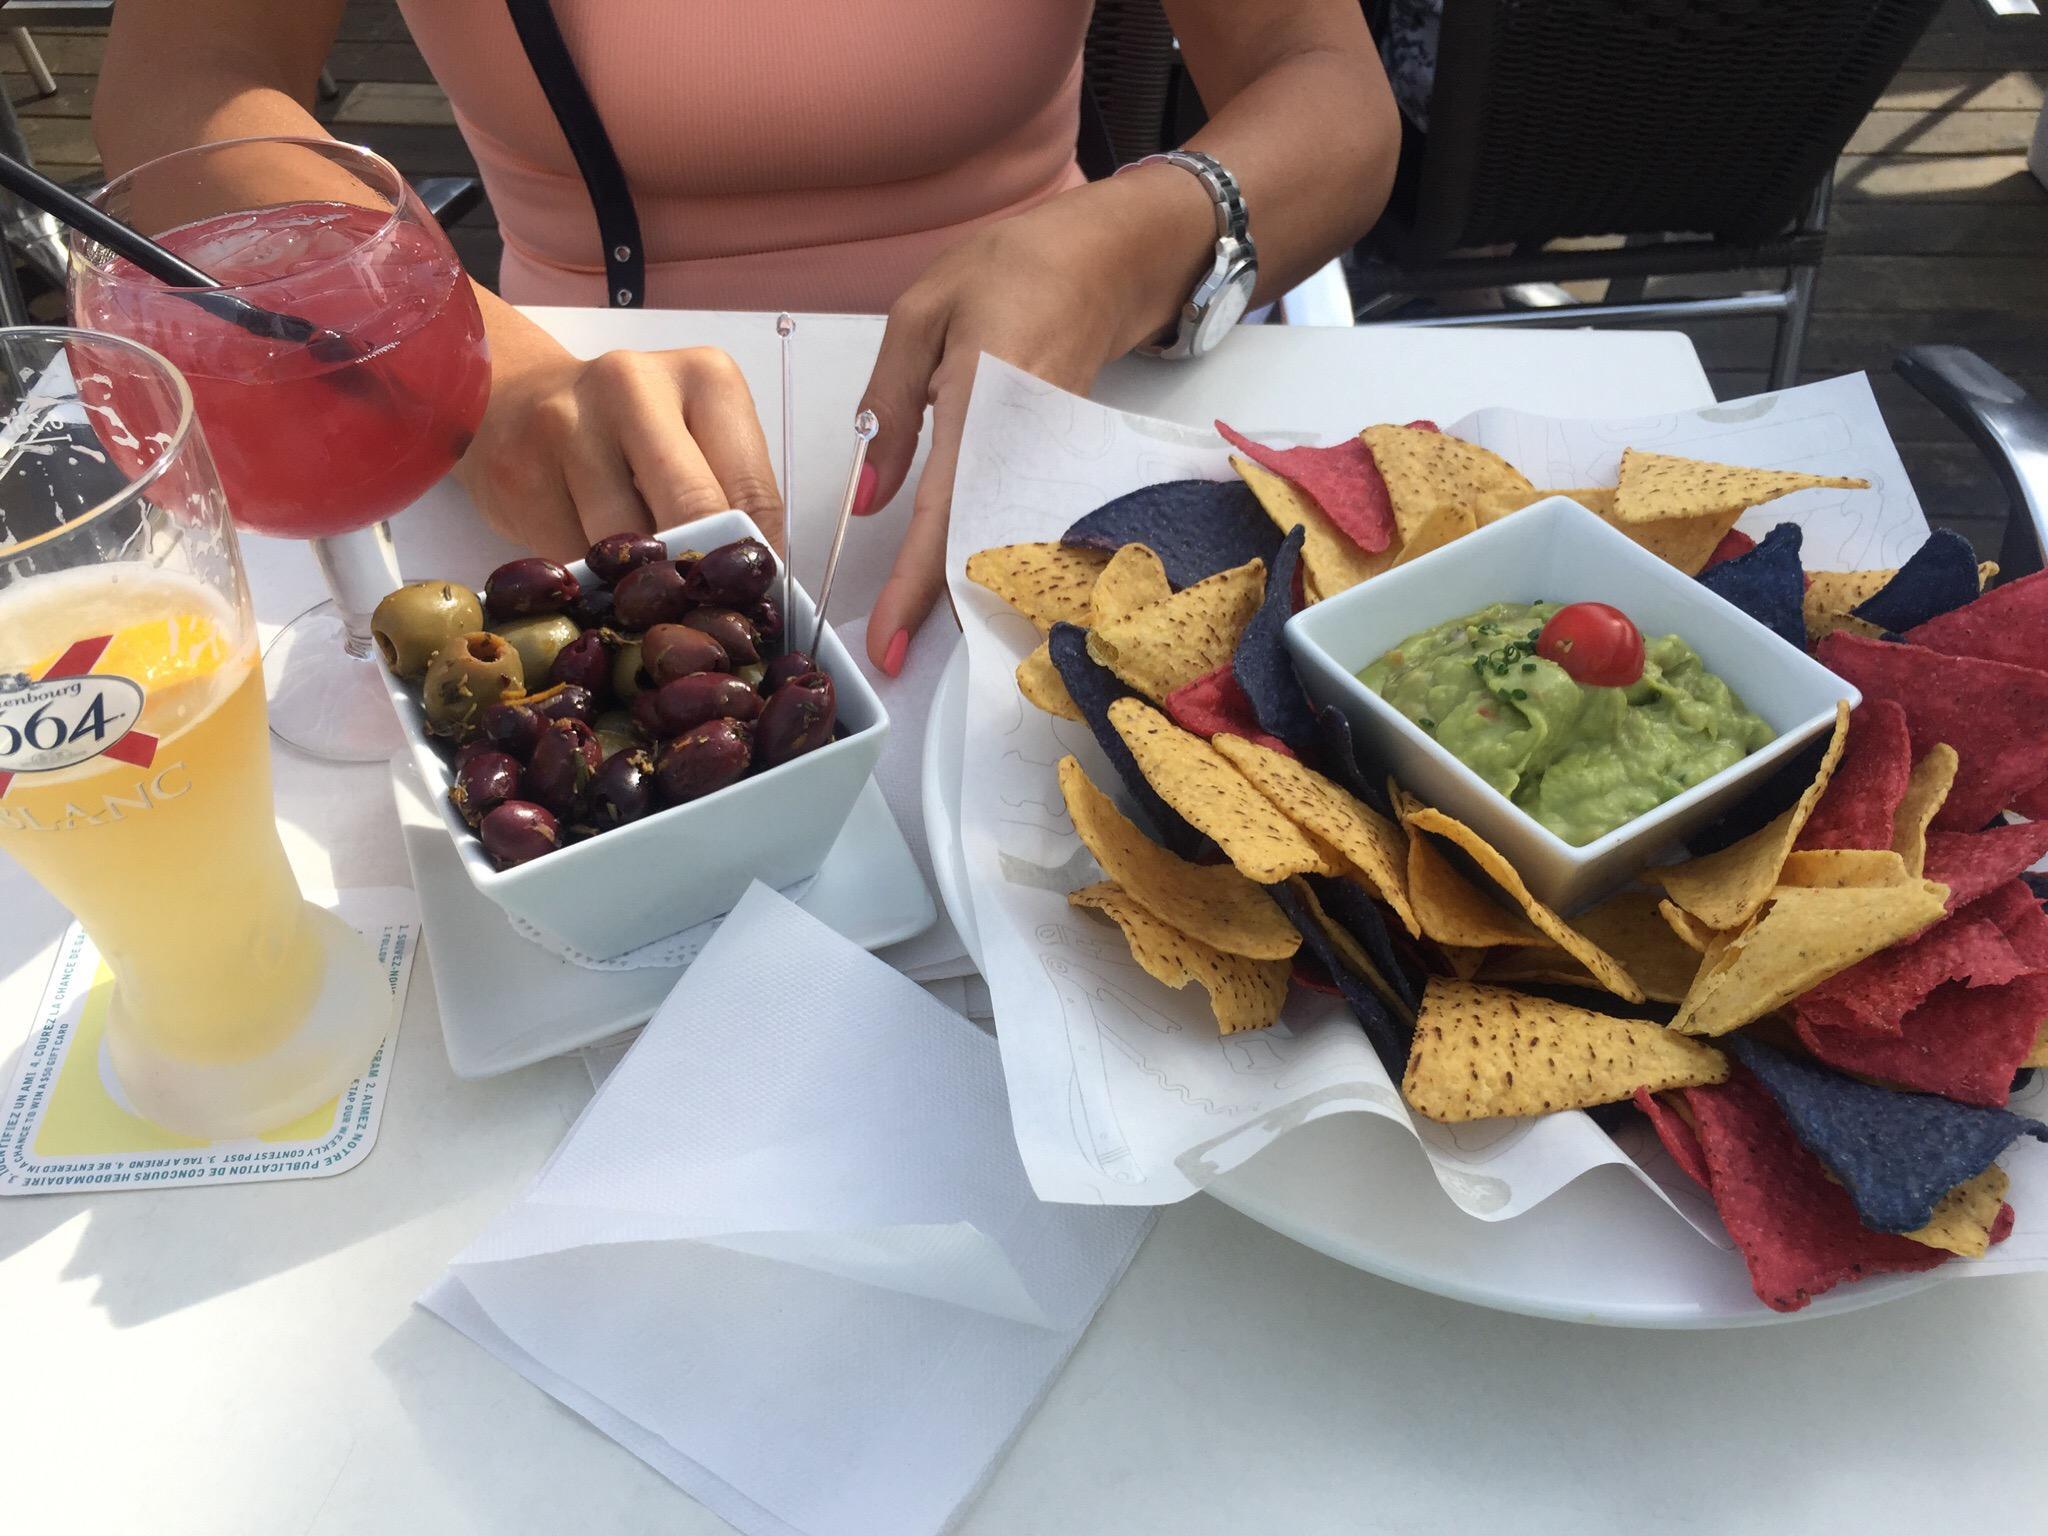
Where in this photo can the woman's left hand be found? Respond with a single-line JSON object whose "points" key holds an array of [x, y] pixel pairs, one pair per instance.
{"points": [[1054, 291]]}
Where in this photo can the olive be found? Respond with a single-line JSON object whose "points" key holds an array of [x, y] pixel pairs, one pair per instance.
{"points": [[414, 622], [484, 783], [617, 553], [629, 674], [797, 718], [651, 595], [525, 589], [752, 675], [470, 749], [585, 661], [732, 575], [670, 651], [470, 674], [564, 701], [568, 754], [766, 617], [615, 732], [539, 640], [513, 727], [676, 706], [686, 562], [705, 758], [733, 631], [621, 790], [592, 608], [791, 664], [517, 831]]}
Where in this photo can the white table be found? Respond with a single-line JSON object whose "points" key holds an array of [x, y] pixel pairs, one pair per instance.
{"points": [[247, 1360]]}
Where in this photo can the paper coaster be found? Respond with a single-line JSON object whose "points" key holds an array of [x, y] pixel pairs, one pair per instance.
{"points": [[67, 1128]]}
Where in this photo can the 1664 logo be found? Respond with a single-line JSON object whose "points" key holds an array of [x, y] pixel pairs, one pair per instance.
{"points": [[70, 715]]}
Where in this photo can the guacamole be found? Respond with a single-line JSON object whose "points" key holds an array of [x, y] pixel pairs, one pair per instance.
{"points": [[1581, 760]]}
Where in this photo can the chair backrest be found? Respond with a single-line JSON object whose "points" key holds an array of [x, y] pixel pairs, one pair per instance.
{"points": [[1128, 72], [1553, 118]]}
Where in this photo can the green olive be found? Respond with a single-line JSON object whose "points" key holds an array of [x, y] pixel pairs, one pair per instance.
{"points": [[615, 731], [466, 678], [538, 640], [418, 619], [628, 678]]}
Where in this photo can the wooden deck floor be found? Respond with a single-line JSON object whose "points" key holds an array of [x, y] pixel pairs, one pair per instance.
{"points": [[1939, 233]]}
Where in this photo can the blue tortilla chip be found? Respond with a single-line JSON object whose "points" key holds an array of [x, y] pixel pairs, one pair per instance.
{"points": [[1093, 688], [1195, 527], [1762, 805], [1895, 1153], [1768, 584], [1262, 666], [1338, 759], [1351, 906], [1387, 1035], [1938, 577]]}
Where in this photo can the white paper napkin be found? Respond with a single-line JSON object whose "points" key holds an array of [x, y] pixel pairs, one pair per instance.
{"points": [[788, 1256]]}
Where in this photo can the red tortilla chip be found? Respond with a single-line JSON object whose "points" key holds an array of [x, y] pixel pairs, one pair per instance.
{"points": [[1796, 1227], [1341, 479], [2008, 623], [1973, 864], [1733, 543], [1964, 1043], [2001, 1224], [1215, 704], [1422, 424], [2033, 803], [2017, 912], [1863, 796], [1678, 1137], [1875, 995], [1994, 714]]}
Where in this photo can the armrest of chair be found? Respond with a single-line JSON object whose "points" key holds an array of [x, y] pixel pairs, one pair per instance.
{"points": [[2007, 424], [2010, 7]]}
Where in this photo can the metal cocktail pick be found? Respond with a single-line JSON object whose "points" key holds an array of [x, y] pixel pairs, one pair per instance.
{"points": [[785, 327], [864, 429]]}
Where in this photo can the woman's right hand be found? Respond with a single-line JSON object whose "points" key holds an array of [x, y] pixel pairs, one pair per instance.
{"points": [[569, 450]]}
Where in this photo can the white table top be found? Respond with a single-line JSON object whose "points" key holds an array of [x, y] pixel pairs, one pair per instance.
{"points": [[247, 1360]]}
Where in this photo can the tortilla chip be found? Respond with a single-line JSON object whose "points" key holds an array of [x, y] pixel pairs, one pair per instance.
{"points": [[1199, 782], [1628, 926], [1448, 907], [1134, 578], [1925, 791], [1803, 936], [1262, 664], [1685, 542], [1217, 706], [1836, 868], [1724, 890], [1874, 996], [2038, 1056], [1197, 528], [1436, 482], [1373, 845], [1354, 954], [1597, 499], [1048, 583], [2009, 625], [1964, 1043], [1654, 486], [1938, 578], [1862, 798], [1767, 583], [1341, 479], [1830, 595], [1973, 864], [1040, 682], [1210, 902], [1466, 962], [1333, 562], [1690, 931], [1386, 1031], [1162, 647], [1243, 993], [1482, 1052], [1963, 1220]]}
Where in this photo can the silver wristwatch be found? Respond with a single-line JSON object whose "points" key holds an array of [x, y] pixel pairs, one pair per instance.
{"points": [[1220, 298]]}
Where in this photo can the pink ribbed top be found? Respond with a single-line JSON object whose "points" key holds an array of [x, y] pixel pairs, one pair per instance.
{"points": [[783, 154]]}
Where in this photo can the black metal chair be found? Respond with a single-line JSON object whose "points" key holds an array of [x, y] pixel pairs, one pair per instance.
{"points": [[1703, 132]]}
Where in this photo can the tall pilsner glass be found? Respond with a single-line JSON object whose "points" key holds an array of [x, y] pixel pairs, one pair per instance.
{"points": [[134, 758]]}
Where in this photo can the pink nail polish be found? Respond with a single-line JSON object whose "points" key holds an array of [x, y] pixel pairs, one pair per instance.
{"points": [[899, 647], [864, 493]]}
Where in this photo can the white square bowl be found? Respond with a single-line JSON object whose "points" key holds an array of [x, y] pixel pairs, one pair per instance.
{"points": [[1557, 551], [680, 866]]}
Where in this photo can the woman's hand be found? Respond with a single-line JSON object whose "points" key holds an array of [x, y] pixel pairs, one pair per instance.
{"points": [[1057, 291], [570, 450]]}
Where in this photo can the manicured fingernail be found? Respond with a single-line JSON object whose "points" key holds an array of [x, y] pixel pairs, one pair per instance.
{"points": [[899, 647], [864, 493]]}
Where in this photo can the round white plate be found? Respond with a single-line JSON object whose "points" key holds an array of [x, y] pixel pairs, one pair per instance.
{"points": [[1601, 1250]]}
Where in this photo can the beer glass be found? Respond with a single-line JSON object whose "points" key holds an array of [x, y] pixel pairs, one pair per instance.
{"points": [[134, 755]]}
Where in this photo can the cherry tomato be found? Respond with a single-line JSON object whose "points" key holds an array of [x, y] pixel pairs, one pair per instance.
{"points": [[1595, 644], [1734, 542]]}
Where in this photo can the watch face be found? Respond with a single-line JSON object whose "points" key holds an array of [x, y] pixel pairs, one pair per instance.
{"points": [[1225, 310]]}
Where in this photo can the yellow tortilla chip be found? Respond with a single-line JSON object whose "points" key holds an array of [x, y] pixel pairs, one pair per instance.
{"points": [[1962, 1219], [1803, 936], [1449, 908], [1495, 505], [1329, 557], [1481, 1052], [1655, 486], [1724, 890], [1689, 930], [1835, 868], [2038, 1056], [1189, 635], [1830, 595], [1685, 542], [1198, 781], [1437, 482], [1243, 993], [1210, 902], [1375, 849], [1464, 960], [1594, 498], [1352, 952], [1040, 682], [1629, 927], [1048, 583], [1610, 973], [1926, 789], [1133, 579]]}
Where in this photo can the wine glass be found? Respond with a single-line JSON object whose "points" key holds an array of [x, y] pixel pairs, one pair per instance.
{"points": [[319, 441]]}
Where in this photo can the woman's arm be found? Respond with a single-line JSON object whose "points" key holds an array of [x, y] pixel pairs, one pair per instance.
{"points": [[568, 450], [1300, 113]]}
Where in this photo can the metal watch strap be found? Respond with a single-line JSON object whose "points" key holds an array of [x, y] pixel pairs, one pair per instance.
{"points": [[1232, 221]]}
